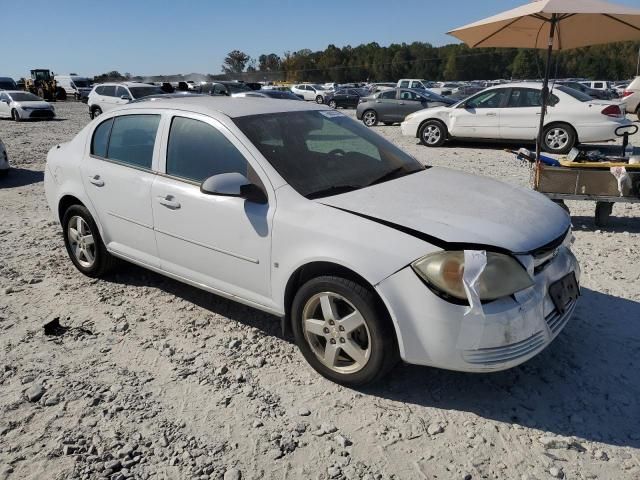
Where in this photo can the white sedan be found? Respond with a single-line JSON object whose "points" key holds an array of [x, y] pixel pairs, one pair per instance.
{"points": [[300, 211], [19, 105], [511, 112]]}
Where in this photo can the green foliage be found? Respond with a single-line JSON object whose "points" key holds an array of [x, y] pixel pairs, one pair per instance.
{"points": [[450, 62]]}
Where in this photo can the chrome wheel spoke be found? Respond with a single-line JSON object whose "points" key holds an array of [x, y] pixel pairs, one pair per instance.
{"points": [[73, 235], [88, 240], [351, 322], [88, 254], [80, 226], [315, 326], [328, 308], [330, 355], [77, 252], [355, 351]]}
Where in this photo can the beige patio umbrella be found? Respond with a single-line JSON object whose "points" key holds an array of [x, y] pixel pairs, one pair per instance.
{"points": [[553, 25]]}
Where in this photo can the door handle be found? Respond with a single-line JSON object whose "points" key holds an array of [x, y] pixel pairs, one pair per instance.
{"points": [[378, 101], [169, 202], [491, 114], [97, 181]]}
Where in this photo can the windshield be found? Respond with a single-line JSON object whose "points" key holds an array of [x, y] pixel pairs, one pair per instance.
{"points": [[81, 82], [25, 97], [139, 92], [583, 97], [279, 94], [322, 153]]}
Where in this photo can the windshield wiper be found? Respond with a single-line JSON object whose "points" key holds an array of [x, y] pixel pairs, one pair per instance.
{"points": [[333, 190], [392, 174]]}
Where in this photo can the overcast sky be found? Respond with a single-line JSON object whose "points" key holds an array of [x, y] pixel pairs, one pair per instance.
{"points": [[164, 37]]}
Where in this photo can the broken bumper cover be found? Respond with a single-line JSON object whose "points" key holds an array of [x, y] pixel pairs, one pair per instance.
{"points": [[434, 332]]}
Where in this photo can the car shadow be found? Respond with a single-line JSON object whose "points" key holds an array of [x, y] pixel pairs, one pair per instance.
{"points": [[129, 274], [614, 224], [20, 177], [585, 384]]}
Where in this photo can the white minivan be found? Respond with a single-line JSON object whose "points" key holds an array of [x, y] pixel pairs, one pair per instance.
{"points": [[75, 85]]}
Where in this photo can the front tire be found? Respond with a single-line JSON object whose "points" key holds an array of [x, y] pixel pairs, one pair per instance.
{"points": [[370, 118], [15, 115], [559, 138], [433, 133], [319, 99], [84, 244], [95, 112], [343, 331]]}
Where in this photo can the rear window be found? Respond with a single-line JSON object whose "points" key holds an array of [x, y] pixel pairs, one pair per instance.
{"points": [[582, 97], [101, 138]]}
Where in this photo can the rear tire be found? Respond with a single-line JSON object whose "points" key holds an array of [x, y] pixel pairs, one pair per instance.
{"points": [[333, 104], [559, 138], [84, 244], [432, 133], [360, 325], [370, 118]]}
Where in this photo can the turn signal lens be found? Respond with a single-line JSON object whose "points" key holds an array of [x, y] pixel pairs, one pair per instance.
{"points": [[502, 276]]}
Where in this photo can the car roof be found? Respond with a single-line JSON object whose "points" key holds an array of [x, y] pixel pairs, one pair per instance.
{"points": [[127, 84], [535, 85], [14, 91], [230, 106]]}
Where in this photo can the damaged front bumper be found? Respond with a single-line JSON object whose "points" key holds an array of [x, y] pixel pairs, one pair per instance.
{"points": [[434, 332]]}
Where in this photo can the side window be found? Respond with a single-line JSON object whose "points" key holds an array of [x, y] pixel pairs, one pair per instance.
{"points": [[3, 97], [197, 151], [489, 99], [598, 85], [132, 139], [100, 141], [388, 95], [417, 85], [109, 90], [404, 84], [120, 91], [100, 90]]}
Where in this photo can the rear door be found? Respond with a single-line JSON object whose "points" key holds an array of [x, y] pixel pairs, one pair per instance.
{"points": [[118, 171], [386, 106], [479, 116], [217, 241], [410, 102], [107, 99], [520, 118]]}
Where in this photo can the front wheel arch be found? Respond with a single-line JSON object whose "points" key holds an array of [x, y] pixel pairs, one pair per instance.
{"points": [[432, 119], [306, 272], [65, 202]]}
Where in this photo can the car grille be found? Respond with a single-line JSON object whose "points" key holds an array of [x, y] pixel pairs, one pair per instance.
{"points": [[41, 114], [505, 353], [556, 321]]}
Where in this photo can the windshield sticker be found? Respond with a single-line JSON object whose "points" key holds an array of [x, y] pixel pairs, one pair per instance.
{"points": [[331, 113]]}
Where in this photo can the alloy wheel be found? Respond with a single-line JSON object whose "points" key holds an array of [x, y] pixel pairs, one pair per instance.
{"points": [[431, 134], [333, 104], [81, 241], [557, 138], [336, 332], [369, 118]]}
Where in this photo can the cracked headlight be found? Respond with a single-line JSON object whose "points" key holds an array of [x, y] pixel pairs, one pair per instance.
{"points": [[502, 276]]}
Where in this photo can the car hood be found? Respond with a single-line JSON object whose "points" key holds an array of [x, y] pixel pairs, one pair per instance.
{"points": [[34, 104], [447, 207]]}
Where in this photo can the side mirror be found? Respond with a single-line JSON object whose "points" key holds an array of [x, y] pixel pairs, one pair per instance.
{"points": [[125, 97], [233, 185]]}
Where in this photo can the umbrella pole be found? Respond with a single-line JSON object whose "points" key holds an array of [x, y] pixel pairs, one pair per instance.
{"points": [[545, 96]]}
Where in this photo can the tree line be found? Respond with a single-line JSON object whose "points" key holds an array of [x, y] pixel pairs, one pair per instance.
{"points": [[373, 62], [617, 61]]}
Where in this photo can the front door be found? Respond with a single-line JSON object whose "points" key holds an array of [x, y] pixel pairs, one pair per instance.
{"points": [[479, 117], [218, 241], [117, 173]]}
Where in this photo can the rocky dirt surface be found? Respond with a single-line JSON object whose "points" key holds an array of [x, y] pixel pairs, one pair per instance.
{"points": [[147, 378]]}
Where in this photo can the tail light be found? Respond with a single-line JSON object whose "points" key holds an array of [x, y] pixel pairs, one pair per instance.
{"points": [[612, 111], [627, 93]]}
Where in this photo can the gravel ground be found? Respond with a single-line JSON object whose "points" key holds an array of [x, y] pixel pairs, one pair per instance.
{"points": [[155, 379]]}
